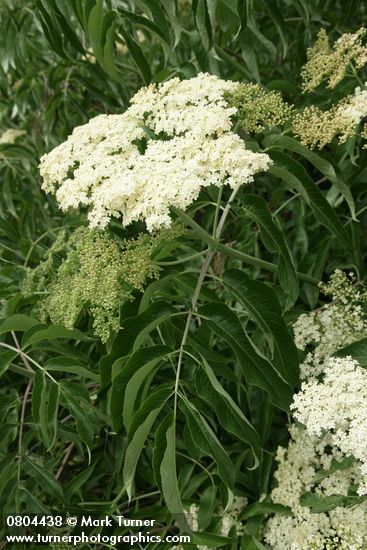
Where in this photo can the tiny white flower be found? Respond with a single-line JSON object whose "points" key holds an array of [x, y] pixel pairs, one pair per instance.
{"points": [[174, 139]]}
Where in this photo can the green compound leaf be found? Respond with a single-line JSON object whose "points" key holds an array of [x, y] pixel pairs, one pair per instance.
{"points": [[278, 20], [265, 508], [160, 444], [256, 368], [357, 350], [70, 365], [127, 383], [172, 13], [206, 440], [136, 329], [140, 428], [168, 476], [250, 542], [97, 28], [77, 400], [100, 29], [51, 332], [64, 26], [262, 304], [73, 486], [137, 55], [51, 407], [229, 414], [145, 22], [274, 240], [154, 7], [210, 540], [207, 506], [18, 322], [319, 504], [324, 165], [45, 479], [33, 504], [6, 358], [336, 465], [37, 391], [202, 21], [295, 175], [52, 34], [45, 405]]}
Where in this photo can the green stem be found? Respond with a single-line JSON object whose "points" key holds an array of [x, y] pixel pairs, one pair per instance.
{"points": [[199, 284], [25, 355], [197, 228], [357, 214], [231, 252], [217, 210], [356, 75], [198, 464], [31, 248], [295, 196], [183, 260]]}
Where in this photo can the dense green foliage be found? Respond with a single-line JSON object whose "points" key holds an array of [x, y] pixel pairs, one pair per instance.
{"points": [[87, 425]]}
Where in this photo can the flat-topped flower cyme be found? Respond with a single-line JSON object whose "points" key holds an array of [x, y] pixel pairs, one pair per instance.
{"points": [[341, 528], [344, 415], [174, 139], [333, 326], [332, 441]]}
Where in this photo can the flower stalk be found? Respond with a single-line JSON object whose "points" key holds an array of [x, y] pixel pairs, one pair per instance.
{"points": [[217, 246]]}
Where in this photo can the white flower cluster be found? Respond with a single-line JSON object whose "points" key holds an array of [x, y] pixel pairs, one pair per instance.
{"points": [[333, 326], [356, 107], [343, 528], [230, 517], [332, 405], [338, 404], [173, 140]]}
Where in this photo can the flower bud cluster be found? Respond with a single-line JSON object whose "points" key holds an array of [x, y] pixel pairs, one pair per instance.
{"points": [[331, 63], [98, 273], [316, 128], [257, 108]]}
